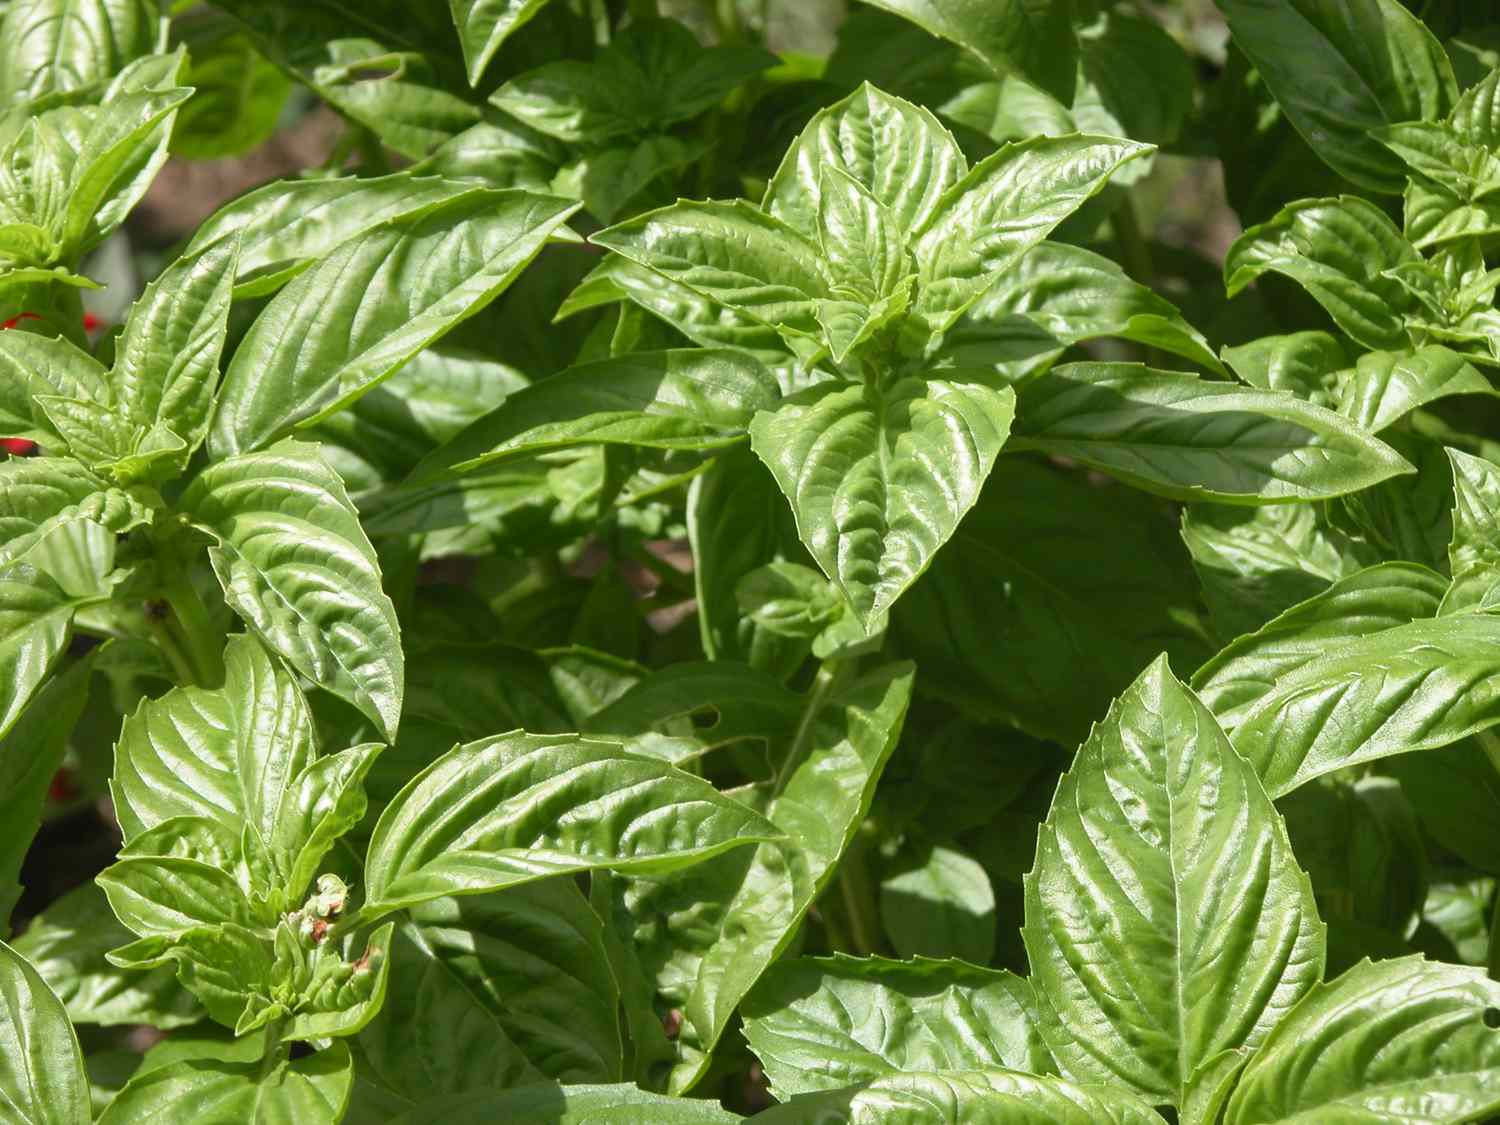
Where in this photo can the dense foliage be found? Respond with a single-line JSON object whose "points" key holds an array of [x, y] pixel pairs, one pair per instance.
{"points": [[722, 561]]}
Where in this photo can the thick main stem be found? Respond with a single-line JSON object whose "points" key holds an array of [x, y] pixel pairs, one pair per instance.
{"points": [[200, 644]]}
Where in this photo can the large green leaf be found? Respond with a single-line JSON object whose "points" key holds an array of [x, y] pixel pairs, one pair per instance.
{"points": [[30, 755], [1340, 70], [1385, 387], [727, 921], [621, 1104], [1013, 623], [984, 1097], [683, 399], [36, 622], [1254, 563], [1339, 251], [42, 1080], [1196, 439], [822, 1024], [879, 477], [496, 990], [313, 1088], [59, 46], [1400, 1040], [1005, 205], [1167, 920], [66, 944], [899, 153], [322, 342], [285, 225], [296, 565], [1413, 687], [1381, 597], [517, 807], [1031, 36], [1474, 552]]}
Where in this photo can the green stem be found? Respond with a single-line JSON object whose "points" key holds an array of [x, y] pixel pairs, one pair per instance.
{"points": [[276, 1051], [727, 22], [643, 9], [1135, 254], [166, 640], [859, 897], [202, 645], [1494, 958], [828, 677]]}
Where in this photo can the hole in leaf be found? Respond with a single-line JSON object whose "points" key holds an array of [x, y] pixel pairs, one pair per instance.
{"points": [[705, 717], [1492, 1018]]}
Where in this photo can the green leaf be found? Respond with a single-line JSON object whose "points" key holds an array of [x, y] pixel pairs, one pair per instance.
{"points": [[167, 359], [1014, 624], [238, 97], [879, 478], [483, 25], [517, 807], [1339, 250], [1166, 918], [66, 944], [1339, 71], [941, 907], [1026, 35], [1319, 1065], [730, 253], [1384, 388], [30, 755], [684, 399], [1474, 552], [1256, 562], [55, 47], [36, 622], [42, 1079], [286, 225], [570, 1105], [788, 599], [1305, 363], [314, 1088], [1362, 604], [711, 705], [1456, 793], [321, 343], [296, 565], [608, 179], [33, 365], [493, 991], [163, 896], [1413, 687], [898, 152], [1193, 439], [40, 496], [1072, 295], [728, 920], [983, 1097], [1005, 205], [228, 756], [825, 1023]]}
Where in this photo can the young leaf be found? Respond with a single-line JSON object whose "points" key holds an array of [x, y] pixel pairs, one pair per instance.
{"points": [[1362, 604], [942, 906], [483, 25], [60, 46], [321, 342], [238, 98], [36, 620], [730, 253], [1474, 553], [879, 478], [1305, 363], [42, 1080], [688, 398], [1339, 250], [825, 1023], [1385, 387], [1414, 687], [518, 807], [1005, 205], [898, 152], [1338, 72], [1167, 920], [32, 365], [296, 565], [1399, 1033], [314, 1088], [958, 1097], [1194, 439]]}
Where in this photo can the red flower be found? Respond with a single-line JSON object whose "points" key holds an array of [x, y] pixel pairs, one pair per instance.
{"points": [[18, 447], [15, 320]]}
